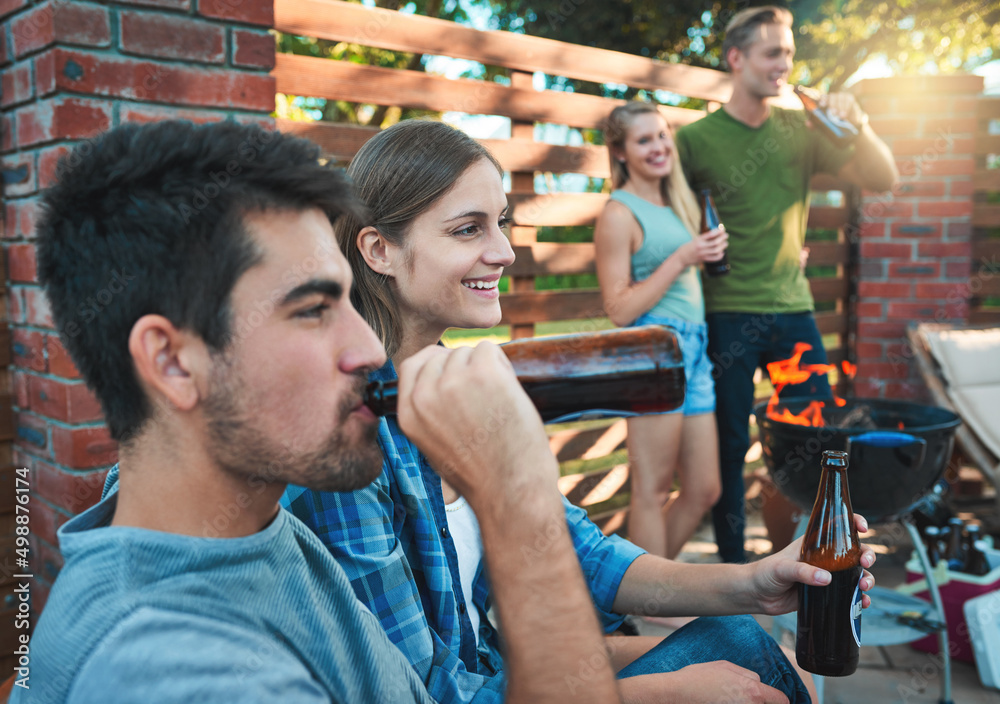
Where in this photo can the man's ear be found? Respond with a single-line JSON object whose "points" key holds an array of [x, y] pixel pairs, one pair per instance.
{"points": [[375, 250], [734, 58], [168, 361]]}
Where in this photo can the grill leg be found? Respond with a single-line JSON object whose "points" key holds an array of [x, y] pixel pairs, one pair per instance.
{"points": [[925, 564]]}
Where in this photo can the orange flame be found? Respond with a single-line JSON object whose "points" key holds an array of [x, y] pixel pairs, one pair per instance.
{"points": [[791, 371]]}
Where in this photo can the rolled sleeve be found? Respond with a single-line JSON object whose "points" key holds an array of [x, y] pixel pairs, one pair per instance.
{"points": [[604, 560]]}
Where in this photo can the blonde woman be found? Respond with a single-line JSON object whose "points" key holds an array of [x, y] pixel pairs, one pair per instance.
{"points": [[648, 252]]}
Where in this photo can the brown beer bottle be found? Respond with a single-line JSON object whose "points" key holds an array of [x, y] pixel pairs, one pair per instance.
{"points": [[932, 541], [710, 221], [978, 564], [828, 637], [633, 370], [838, 130]]}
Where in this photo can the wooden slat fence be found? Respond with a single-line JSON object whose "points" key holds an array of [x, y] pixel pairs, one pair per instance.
{"points": [[593, 456], [984, 282]]}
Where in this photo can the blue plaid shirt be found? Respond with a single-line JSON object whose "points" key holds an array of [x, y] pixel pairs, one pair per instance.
{"points": [[393, 541]]}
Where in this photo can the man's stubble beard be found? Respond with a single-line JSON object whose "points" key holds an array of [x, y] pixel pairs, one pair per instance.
{"points": [[242, 449]]}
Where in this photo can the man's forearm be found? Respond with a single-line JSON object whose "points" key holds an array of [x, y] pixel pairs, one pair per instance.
{"points": [[874, 164], [555, 649]]}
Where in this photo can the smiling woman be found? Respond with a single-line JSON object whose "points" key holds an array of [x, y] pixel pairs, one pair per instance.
{"points": [[435, 233]]}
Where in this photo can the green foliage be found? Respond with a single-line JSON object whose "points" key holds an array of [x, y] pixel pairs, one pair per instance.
{"points": [[913, 36], [834, 37]]}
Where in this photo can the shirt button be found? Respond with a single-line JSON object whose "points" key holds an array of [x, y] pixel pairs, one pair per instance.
{"points": [[444, 532], [461, 607]]}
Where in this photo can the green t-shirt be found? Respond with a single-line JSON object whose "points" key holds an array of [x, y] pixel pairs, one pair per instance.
{"points": [[759, 178]]}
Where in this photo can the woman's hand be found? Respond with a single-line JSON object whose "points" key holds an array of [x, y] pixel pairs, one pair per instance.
{"points": [[706, 247]]}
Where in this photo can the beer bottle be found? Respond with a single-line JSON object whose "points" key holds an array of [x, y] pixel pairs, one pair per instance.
{"points": [[710, 221], [932, 540], [973, 533], [631, 370], [838, 130], [828, 637], [953, 552], [978, 564]]}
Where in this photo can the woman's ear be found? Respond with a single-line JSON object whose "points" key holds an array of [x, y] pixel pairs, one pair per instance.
{"points": [[169, 362], [375, 250]]}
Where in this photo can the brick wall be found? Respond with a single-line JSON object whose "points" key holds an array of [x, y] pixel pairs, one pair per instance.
{"points": [[915, 242], [69, 71]]}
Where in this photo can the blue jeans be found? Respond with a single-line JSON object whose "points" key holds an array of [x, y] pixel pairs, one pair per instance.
{"points": [[739, 343], [738, 639]]}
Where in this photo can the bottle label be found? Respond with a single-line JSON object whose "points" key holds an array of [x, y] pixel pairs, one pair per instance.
{"points": [[856, 613]]}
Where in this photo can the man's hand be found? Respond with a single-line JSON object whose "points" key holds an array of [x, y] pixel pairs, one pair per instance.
{"points": [[703, 683], [775, 578], [466, 411], [846, 107]]}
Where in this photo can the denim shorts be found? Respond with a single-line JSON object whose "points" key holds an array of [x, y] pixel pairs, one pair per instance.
{"points": [[699, 397]]}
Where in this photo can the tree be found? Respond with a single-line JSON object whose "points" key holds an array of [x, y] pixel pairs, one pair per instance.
{"points": [[834, 37]]}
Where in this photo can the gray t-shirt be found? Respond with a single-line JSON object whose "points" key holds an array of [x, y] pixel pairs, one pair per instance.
{"points": [[143, 616]]}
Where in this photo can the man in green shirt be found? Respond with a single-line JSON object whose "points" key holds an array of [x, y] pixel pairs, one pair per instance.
{"points": [[758, 160]]}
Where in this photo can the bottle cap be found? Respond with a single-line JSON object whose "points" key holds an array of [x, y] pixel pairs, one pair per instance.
{"points": [[834, 458]]}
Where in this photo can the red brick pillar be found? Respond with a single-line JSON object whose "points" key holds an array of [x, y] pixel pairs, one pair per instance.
{"points": [[70, 70], [915, 242]]}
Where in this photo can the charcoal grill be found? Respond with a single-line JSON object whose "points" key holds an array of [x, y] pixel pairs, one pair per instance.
{"points": [[895, 460]]}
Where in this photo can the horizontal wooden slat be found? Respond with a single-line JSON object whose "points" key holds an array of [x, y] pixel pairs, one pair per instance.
{"points": [[986, 180], [343, 80], [987, 286], [386, 29], [338, 141], [556, 209], [988, 108], [525, 155], [829, 289], [550, 305], [341, 142], [829, 323], [988, 249], [552, 258], [597, 487], [986, 143], [828, 253], [578, 258], [985, 215], [827, 218], [984, 315]]}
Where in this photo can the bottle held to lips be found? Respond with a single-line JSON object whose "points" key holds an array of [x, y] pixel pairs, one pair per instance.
{"points": [[828, 637], [710, 221], [838, 130], [626, 370]]}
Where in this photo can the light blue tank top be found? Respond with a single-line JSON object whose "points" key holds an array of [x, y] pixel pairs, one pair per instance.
{"points": [[662, 233]]}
